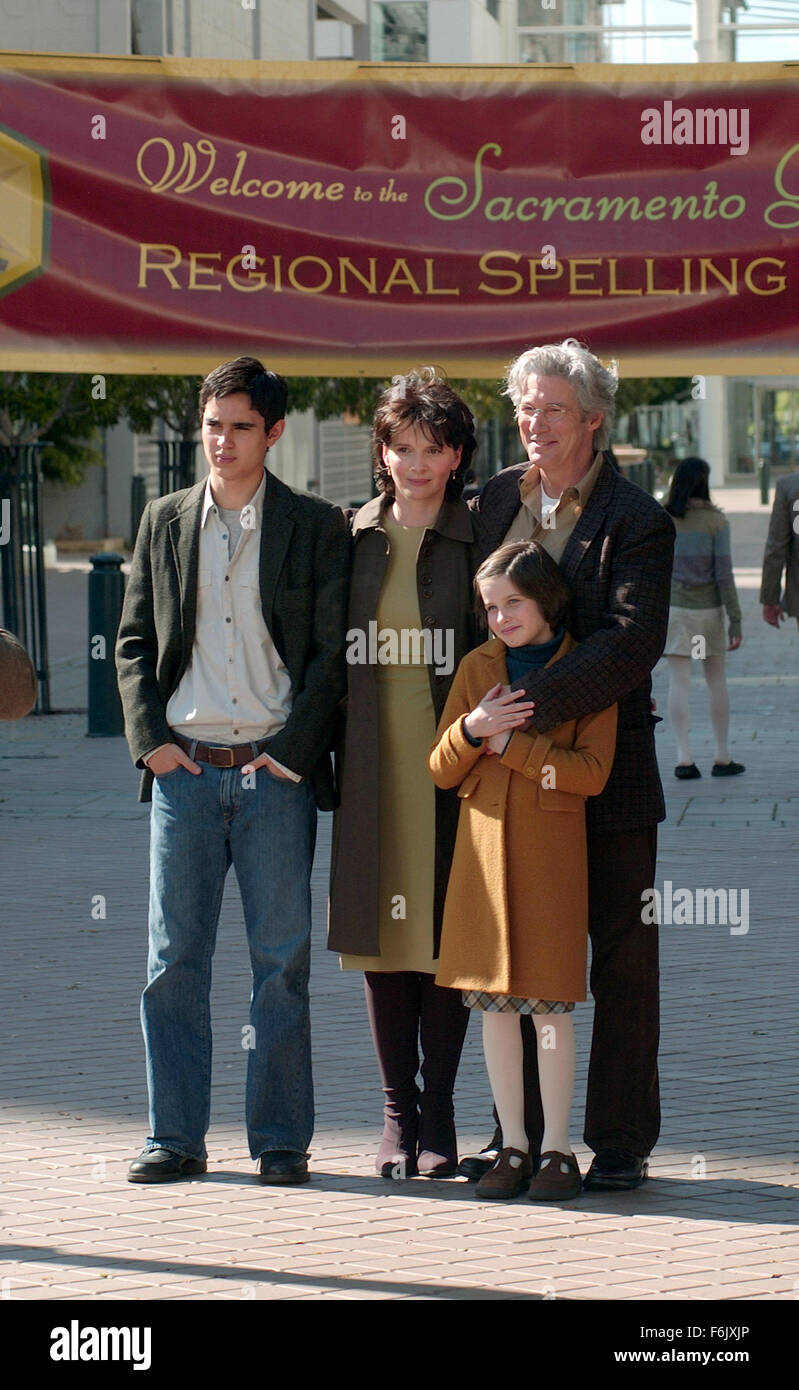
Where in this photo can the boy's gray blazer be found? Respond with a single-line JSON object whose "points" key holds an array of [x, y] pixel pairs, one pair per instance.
{"points": [[304, 570]]}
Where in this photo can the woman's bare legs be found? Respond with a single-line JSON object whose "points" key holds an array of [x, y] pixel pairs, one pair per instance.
{"points": [[679, 687], [716, 681]]}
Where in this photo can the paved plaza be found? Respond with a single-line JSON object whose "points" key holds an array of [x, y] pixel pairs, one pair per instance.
{"points": [[719, 1217]]}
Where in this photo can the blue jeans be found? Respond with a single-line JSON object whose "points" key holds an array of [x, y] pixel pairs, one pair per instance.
{"points": [[199, 825]]}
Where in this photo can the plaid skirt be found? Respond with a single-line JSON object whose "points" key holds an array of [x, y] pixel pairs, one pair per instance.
{"points": [[508, 1004]]}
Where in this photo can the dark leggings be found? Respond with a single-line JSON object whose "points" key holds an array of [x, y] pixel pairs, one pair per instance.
{"points": [[408, 1010]]}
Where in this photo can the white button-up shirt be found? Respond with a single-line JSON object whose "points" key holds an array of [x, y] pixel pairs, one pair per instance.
{"points": [[236, 688]]}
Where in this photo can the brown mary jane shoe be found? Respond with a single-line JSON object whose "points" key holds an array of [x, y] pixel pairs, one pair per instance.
{"points": [[551, 1183], [508, 1177]]}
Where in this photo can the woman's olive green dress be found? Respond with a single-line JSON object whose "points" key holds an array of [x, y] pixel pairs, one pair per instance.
{"points": [[407, 725]]}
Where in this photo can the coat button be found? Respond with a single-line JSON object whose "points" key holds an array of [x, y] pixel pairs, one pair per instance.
{"points": [[529, 772], [426, 579], [429, 621], [427, 593]]}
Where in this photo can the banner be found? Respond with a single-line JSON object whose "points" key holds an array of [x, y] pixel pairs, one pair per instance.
{"points": [[335, 218]]}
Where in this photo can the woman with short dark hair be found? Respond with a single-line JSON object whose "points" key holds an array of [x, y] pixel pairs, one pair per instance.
{"points": [[411, 619]]}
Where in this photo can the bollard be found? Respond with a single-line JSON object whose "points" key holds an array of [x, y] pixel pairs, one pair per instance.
{"points": [[138, 501], [764, 478], [106, 591]]}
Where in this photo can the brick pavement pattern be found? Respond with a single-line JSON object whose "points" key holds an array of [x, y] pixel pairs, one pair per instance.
{"points": [[718, 1218]]}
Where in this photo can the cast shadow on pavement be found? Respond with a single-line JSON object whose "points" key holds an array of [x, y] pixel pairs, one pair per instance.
{"points": [[676, 1198], [252, 1274]]}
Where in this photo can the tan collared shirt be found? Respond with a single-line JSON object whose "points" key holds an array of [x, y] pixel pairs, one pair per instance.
{"points": [[554, 531], [236, 688]]}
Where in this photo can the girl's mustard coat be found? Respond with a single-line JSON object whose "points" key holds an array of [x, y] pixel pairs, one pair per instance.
{"points": [[516, 913]]}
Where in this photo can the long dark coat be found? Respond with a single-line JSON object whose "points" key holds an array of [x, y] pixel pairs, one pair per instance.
{"points": [[445, 570]]}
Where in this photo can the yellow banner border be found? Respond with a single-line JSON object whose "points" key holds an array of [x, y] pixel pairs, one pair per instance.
{"points": [[331, 72], [94, 362]]}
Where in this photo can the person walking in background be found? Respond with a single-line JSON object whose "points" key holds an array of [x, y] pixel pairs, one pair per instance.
{"points": [[231, 667], [702, 586], [515, 932], [781, 556], [393, 834]]}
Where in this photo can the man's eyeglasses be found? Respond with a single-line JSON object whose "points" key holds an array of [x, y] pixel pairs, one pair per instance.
{"points": [[550, 414]]}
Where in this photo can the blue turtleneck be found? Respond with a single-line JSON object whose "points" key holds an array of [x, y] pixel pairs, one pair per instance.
{"points": [[522, 659]]}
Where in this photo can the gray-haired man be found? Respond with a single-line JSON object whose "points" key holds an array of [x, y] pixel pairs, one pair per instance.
{"points": [[614, 544]]}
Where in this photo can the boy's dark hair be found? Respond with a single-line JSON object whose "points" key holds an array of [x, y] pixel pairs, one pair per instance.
{"points": [[534, 573], [267, 391], [424, 399]]}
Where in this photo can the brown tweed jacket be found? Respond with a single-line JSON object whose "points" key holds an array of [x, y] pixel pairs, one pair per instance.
{"points": [[618, 564]]}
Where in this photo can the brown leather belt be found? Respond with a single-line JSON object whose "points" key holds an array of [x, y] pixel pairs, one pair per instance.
{"points": [[219, 755]]}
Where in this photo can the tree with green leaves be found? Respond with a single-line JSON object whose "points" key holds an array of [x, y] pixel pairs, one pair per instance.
{"points": [[171, 399], [66, 411]]}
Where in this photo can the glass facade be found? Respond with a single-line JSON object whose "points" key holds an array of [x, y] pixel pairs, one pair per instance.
{"points": [[764, 424], [399, 31], [653, 31]]}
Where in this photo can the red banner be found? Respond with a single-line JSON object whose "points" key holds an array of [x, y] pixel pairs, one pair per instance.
{"points": [[330, 218]]}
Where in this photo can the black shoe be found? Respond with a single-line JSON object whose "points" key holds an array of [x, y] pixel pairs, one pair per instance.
{"points": [[729, 769], [615, 1170], [475, 1165], [685, 771], [283, 1166], [162, 1165]]}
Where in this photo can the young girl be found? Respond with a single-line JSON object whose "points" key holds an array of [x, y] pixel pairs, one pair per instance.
{"points": [[514, 938]]}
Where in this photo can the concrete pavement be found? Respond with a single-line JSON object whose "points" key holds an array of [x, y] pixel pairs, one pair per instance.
{"points": [[718, 1219]]}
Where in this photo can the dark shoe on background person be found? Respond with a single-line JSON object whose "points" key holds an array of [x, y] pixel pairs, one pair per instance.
{"points": [[686, 771], [473, 1166], [163, 1165], [729, 769], [283, 1166], [507, 1178], [557, 1179], [615, 1170]]}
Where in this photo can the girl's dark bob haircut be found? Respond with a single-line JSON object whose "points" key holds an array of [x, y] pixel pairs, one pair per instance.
{"points": [[534, 573], [424, 399]]}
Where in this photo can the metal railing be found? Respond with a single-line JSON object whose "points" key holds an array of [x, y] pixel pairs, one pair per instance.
{"points": [[22, 559]]}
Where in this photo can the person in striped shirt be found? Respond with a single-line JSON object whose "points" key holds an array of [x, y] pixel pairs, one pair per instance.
{"points": [[702, 587]]}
